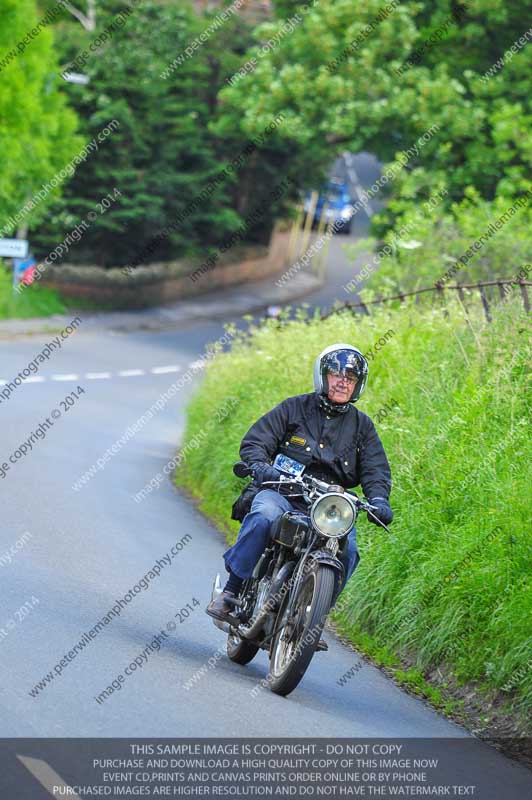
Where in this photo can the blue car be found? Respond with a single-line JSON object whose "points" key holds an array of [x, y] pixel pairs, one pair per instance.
{"points": [[335, 203]]}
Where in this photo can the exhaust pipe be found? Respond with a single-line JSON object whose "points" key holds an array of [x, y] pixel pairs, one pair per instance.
{"points": [[216, 592]]}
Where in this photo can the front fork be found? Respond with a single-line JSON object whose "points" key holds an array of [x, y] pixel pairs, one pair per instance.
{"points": [[308, 562], [325, 557]]}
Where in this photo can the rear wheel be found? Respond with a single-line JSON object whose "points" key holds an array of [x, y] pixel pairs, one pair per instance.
{"points": [[239, 650], [296, 638]]}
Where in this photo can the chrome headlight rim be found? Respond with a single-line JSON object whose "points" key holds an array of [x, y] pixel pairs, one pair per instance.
{"points": [[319, 500]]}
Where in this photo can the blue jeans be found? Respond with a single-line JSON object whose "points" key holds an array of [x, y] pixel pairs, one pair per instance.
{"points": [[254, 535]]}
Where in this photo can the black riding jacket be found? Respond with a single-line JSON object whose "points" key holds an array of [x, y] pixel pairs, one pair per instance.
{"points": [[339, 448]]}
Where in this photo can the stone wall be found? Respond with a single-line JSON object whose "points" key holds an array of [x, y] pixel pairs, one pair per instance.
{"points": [[168, 282]]}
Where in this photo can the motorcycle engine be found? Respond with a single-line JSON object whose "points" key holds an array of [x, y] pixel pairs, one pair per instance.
{"points": [[262, 592]]}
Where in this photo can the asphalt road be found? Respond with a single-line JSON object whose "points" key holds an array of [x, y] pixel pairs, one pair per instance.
{"points": [[84, 549], [359, 171]]}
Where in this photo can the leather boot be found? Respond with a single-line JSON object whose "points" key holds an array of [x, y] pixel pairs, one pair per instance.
{"points": [[223, 608]]}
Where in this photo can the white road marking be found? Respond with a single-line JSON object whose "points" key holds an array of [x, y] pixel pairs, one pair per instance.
{"points": [[95, 376], [47, 776], [163, 370], [353, 177]]}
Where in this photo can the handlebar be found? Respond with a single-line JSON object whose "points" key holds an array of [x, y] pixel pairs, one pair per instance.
{"points": [[243, 470]]}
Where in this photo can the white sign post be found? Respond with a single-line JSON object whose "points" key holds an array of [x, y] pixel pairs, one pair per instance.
{"points": [[13, 248]]}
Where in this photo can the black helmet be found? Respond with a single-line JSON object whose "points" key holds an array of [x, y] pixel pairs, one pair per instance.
{"points": [[343, 359]]}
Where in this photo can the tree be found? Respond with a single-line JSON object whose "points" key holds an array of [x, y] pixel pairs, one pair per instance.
{"points": [[159, 157], [169, 146], [277, 159], [377, 76], [37, 129], [88, 18], [287, 8]]}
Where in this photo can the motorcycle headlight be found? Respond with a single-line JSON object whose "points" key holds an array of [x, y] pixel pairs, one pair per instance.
{"points": [[333, 515]]}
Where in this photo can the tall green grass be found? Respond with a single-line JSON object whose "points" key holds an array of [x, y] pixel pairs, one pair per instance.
{"points": [[451, 584], [34, 301], [425, 246]]}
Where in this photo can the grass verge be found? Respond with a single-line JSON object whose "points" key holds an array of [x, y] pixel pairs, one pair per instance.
{"points": [[34, 301]]}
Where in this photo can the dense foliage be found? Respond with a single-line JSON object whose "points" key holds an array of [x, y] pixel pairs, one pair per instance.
{"points": [[376, 76], [37, 130], [344, 76], [166, 151]]}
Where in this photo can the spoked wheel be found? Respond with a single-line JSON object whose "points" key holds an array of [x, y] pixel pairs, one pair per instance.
{"points": [[297, 636], [239, 650]]}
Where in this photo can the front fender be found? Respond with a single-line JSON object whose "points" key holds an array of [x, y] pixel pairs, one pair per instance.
{"points": [[323, 557]]}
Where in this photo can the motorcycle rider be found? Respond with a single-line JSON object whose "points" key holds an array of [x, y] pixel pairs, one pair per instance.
{"points": [[336, 442]]}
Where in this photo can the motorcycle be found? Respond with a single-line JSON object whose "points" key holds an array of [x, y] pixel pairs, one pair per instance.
{"points": [[283, 607]]}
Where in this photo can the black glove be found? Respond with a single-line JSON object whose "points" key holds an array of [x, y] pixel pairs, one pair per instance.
{"points": [[264, 472], [382, 511]]}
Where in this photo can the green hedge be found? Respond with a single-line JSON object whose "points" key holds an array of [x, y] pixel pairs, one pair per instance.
{"points": [[451, 584]]}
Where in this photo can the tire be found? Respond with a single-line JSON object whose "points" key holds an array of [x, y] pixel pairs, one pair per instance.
{"points": [[316, 591], [239, 650]]}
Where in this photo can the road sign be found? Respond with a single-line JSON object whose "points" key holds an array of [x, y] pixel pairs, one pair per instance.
{"points": [[14, 248], [23, 270]]}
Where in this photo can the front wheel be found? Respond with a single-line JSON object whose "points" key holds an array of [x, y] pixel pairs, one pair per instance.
{"points": [[297, 636]]}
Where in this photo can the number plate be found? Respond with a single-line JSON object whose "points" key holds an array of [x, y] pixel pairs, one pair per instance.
{"points": [[288, 465]]}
